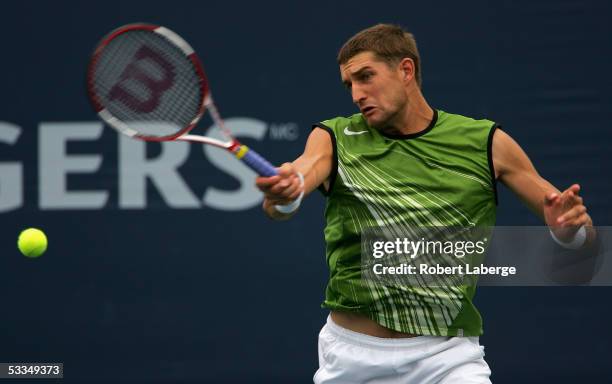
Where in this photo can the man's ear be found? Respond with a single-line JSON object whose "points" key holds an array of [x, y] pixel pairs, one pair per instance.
{"points": [[407, 67]]}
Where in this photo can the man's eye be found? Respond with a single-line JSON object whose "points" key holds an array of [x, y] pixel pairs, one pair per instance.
{"points": [[365, 76]]}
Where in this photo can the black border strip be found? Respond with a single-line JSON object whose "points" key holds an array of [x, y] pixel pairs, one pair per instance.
{"points": [[490, 159], [432, 124], [334, 170]]}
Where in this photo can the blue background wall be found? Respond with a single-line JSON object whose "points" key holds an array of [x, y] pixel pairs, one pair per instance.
{"points": [[168, 294]]}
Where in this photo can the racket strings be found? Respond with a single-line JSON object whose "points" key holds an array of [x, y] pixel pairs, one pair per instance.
{"points": [[147, 83]]}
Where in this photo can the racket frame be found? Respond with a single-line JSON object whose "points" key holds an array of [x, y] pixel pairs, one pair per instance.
{"points": [[189, 52], [242, 152]]}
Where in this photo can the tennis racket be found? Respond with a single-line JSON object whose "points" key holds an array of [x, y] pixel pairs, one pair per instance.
{"points": [[147, 83]]}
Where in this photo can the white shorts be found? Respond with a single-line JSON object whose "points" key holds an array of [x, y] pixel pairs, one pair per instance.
{"points": [[347, 357]]}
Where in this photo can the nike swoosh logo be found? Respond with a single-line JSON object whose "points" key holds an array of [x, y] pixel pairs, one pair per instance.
{"points": [[351, 133]]}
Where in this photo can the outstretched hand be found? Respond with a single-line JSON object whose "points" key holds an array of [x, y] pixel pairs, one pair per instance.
{"points": [[565, 213]]}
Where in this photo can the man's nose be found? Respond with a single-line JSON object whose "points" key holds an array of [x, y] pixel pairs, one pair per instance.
{"points": [[358, 94]]}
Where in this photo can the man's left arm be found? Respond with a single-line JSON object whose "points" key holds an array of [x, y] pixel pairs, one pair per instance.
{"points": [[563, 212]]}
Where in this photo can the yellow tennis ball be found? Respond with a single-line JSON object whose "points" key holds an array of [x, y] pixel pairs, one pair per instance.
{"points": [[32, 242]]}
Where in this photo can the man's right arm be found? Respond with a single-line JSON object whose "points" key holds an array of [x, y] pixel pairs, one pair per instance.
{"points": [[315, 164]]}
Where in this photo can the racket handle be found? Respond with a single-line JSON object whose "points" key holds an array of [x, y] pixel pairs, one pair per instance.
{"points": [[255, 161]]}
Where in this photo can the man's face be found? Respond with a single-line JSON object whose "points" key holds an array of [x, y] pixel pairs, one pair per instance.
{"points": [[376, 88]]}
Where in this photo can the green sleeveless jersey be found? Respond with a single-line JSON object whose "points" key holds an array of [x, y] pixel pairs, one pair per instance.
{"points": [[441, 176]]}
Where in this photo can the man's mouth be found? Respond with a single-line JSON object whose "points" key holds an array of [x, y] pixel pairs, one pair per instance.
{"points": [[367, 110]]}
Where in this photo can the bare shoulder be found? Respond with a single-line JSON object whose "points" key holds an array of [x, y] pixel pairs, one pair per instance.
{"points": [[319, 140], [508, 154]]}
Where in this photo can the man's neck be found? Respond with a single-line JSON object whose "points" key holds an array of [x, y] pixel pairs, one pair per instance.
{"points": [[415, 117]]}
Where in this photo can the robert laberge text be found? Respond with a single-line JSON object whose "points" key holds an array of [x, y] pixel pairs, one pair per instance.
{"points": [[426, 269]]}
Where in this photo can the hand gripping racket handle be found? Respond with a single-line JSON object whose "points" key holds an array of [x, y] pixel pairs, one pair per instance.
{"points": [[255, 161]]}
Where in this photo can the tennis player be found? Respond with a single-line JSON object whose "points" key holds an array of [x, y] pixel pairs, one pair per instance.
{"points": [[401, 161]]}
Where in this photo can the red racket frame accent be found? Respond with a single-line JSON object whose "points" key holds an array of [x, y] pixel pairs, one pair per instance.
{"points": [[195, 61]]}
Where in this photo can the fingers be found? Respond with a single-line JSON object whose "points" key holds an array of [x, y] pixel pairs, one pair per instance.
{"points": [[264, 183], [570, 198], [576, 216], [298, 191], [550, 198], [282, 188], [575, 188], [572, 191], [284, 171], [566, 199], [565, 209], [285, 186]]}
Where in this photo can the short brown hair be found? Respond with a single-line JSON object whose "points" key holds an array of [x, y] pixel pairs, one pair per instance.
{"points": [[390, 43]]}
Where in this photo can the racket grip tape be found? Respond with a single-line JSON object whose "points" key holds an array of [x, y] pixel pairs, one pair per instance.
{"points": [[255, 161]]}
